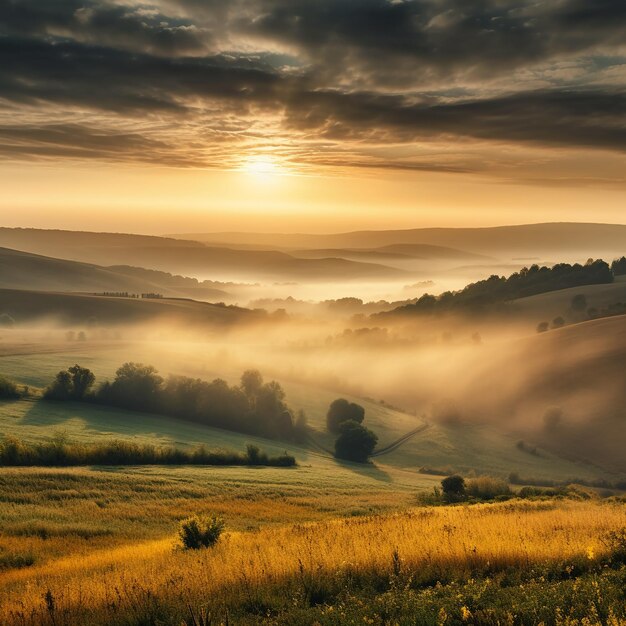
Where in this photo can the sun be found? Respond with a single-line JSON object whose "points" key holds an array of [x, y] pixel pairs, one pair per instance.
{"points": [[263, 166]]}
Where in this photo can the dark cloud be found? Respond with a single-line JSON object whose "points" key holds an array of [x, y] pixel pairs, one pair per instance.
{"points": [[186, 78], [414, 40], [131, 27], [576, 118]]}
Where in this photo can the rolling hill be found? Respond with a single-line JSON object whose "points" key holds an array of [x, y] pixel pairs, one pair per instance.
{"points": [[551, 240], [23, 270], [190, 258], [72, 308]]}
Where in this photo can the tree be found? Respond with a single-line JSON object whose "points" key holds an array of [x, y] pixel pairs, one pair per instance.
{"points": [[300, 427], [453, 488], [340, 411], [136, 386], [251, 382], [579, 302], [355, 442], [558, 322], [618, 267], [82, 381], [73, 383]]}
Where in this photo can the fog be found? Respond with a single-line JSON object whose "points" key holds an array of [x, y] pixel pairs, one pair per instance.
{"points": [[451, 370]]}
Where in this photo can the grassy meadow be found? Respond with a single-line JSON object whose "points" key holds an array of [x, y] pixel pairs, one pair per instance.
{"points": [[478, 564], [325, 542]]}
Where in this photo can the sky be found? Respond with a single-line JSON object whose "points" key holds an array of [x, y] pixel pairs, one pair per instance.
{"points": [[311, 115]]}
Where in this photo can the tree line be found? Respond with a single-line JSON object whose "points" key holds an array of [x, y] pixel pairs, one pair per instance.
{"points": [[253, 407], [529, 281]]}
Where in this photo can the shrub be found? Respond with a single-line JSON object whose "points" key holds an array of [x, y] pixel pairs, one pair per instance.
{"points": [[487, 488], [355, 442], [200, 532], [542, 327], [453, 488], [8, 389]]}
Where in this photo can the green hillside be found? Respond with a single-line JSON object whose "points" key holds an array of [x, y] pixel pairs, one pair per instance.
{"points": [[466, 448]]}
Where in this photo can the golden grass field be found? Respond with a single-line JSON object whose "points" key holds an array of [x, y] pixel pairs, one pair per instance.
{"points": [[133, 583]]}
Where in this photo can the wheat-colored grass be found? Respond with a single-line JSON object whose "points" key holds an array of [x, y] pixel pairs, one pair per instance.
{"points": [[435, 542]]}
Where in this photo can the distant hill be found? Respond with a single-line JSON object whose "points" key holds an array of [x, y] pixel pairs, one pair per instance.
{"points": [[397, 252], [189, 257], [561, 240], [23, 270], [72, 308]]}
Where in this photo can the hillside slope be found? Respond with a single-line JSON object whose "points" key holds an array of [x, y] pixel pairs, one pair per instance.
{"points": [[24, 270], [68, 308], [188, 257]]}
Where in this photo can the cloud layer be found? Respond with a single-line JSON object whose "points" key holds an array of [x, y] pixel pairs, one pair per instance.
{"points": [[423, 84]]}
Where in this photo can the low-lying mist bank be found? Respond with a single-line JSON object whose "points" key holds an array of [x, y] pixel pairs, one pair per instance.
{"points": [[563, 390]]}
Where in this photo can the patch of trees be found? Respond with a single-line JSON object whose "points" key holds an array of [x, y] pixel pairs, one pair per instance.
{"points": [[253, 407], [73, 383], [58, 452], [354, 441], [581, 312], [527, 282]]}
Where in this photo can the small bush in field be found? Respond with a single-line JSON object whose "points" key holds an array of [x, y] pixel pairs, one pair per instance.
{"points": [[200, 532], [8, 389]]}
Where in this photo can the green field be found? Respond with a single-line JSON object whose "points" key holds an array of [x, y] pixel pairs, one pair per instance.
{"points": [[470, 449]]}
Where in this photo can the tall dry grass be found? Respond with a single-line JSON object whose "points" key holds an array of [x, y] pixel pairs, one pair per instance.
{"points": [[444, 543]]}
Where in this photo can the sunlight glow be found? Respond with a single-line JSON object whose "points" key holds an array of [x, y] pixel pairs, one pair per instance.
{"points": [[263, 166]]}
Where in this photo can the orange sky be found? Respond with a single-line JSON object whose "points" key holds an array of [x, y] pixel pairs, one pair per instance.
{"points": [[279, 115], [164, 200]]}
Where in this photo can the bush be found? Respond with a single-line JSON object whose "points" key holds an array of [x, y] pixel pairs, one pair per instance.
{"points": [[453, 488], [8, 389], [341, 411], [355, 442], [200, 532], [487, 488]]}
